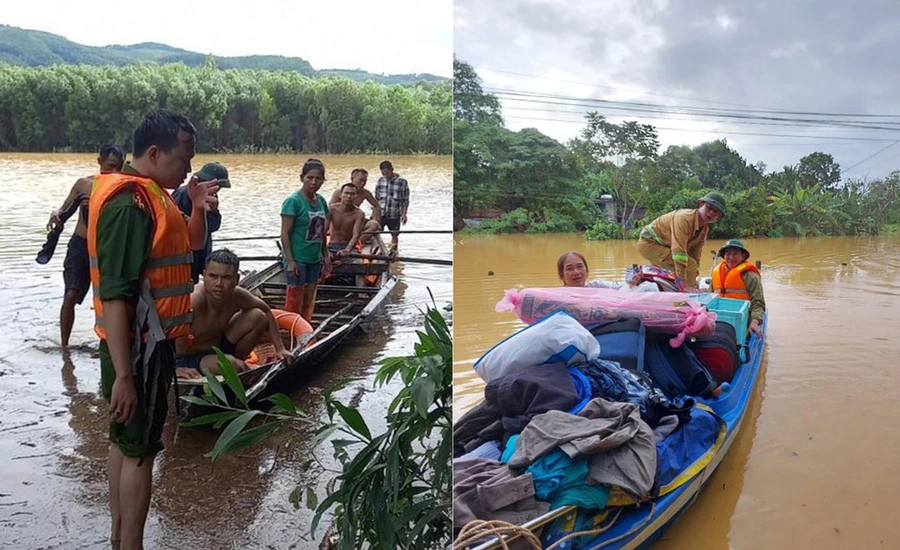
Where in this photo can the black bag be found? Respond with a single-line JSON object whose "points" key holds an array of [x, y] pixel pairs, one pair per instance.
{"points": [[676, 371], [719, 353]]}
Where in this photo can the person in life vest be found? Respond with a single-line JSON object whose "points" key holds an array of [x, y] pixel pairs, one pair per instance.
{"points": [[675, 240], [737, 278], [140, 250]]}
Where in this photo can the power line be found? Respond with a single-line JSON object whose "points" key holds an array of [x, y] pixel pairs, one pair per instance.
{"points": [[805, 136], [699, 100], [883, 149], [529, 97], [643, 117]]}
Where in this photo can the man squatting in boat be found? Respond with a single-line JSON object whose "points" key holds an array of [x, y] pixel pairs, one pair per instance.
{"points": [[226, 316]]}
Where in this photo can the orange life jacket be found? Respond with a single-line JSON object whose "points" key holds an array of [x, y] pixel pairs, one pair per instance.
{"points": [[168, 269], [728, 283]]}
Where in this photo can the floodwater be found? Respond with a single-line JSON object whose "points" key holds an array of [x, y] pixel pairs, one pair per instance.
{"points": [[53, 424], [815, 462]]}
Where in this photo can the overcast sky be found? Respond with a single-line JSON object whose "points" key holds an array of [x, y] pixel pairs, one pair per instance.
{"points": [[388, 36], [826, 56]]}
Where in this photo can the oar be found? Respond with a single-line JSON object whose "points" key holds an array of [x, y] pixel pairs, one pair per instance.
{"points": [[407, 232], [399, 259], [361, 256]]}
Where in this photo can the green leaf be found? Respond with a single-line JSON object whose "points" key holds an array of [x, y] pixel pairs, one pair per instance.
{"points": [[353, 419], [312, 501], [213, 383], [230, 433], [213, 418], [251, 436], [322, 508], [323, 433], [230, 376], [295, 497], [284, 403], [202, 401], [422, 390]]}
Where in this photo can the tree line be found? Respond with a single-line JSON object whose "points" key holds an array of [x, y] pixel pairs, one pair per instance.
{"points": [[80, 107], [541, 185]]}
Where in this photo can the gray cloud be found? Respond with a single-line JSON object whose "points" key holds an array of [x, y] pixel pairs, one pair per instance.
{"points": [[831, 56]]}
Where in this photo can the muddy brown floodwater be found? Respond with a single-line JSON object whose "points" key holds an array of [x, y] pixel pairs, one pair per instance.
{"points": [[815, 463], [53, 423]]}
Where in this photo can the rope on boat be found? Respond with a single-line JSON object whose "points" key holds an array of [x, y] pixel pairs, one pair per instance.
{"points": [[475, 531], [593, 532]]}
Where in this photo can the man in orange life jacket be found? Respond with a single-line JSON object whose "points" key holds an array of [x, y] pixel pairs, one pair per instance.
{"points": [[738, 278], [140, 252]]}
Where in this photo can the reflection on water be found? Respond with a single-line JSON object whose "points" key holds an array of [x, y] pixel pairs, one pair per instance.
{"points": [[814, 460], [53, 422]]}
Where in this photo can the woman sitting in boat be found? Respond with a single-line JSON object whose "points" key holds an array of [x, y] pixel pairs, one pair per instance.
{"points": [[737, 278], [225, 316], [572, 268]]}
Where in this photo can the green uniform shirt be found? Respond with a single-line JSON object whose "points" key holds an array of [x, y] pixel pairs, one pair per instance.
{"points": [[683, 232], [124, 235], [753, 282], [309, 226]]}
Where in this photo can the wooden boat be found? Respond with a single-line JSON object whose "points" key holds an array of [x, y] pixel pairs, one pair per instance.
{"points": [[347, 299], [637, 526]]}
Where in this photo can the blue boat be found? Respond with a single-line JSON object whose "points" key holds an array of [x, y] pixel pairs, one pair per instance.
{"points": [[637, 526]]}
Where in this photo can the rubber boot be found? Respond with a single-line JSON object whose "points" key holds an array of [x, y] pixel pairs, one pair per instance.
{"points": [[293, 299]]}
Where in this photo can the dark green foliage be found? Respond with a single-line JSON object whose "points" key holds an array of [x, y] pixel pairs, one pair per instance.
{"points": [[394, 488], [541, 186], [82, 107]]}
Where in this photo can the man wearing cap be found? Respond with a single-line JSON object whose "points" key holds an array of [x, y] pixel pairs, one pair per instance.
{"points": [[210, 171], [675, 240], [737, 278]]}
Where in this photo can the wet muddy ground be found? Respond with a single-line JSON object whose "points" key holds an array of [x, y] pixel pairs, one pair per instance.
{"points": [[53, 422]]}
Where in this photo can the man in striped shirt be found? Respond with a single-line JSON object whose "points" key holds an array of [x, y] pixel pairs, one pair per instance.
{"points": [[675, 240], [392, 194]]}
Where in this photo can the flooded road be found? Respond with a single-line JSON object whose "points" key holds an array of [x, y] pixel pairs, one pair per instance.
{"points": [[53, 422], [814, 465]]}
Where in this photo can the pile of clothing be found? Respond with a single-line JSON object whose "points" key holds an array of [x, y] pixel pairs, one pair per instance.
{"points": [[568, 430]]}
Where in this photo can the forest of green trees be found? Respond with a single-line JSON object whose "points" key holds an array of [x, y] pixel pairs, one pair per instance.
{"points": [[80, 107], [544, 186]]}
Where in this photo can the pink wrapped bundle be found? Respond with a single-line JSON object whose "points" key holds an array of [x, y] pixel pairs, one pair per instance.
{"points": [[666, 312]]}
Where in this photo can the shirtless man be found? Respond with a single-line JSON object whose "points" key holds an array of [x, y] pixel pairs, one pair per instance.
{"points": [[358, 178], [346, 222], [225, 316], [76, 268]]}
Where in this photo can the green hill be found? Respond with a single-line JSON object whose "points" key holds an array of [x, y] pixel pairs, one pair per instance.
{"points": [[32, 48]]}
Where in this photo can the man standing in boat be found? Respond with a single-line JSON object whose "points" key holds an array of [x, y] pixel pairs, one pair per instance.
{"points": [[346, 222], [739, 279], [675, 240], [358, 178], [140, 255], [392, 193], [225, 316], [76, 272]]}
